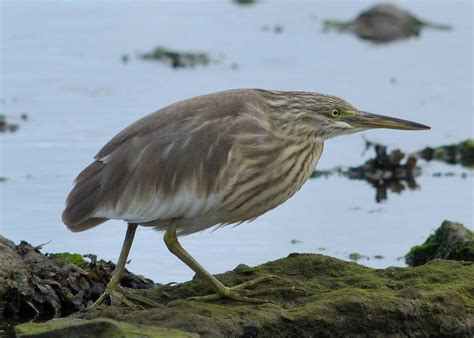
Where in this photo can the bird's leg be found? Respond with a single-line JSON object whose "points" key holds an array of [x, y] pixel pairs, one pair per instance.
{"points": [[236, 292], [114, 290]]}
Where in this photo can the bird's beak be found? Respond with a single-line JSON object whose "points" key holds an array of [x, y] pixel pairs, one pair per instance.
{"points": [[368, 121]]}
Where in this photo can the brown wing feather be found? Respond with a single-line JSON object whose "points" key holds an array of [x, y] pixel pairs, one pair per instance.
{"points": [[187, 141]]}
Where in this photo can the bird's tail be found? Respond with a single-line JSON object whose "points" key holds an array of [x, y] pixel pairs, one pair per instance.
{"points": [[84, 199]]}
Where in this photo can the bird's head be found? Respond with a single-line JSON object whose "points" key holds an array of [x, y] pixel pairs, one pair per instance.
{"points": [[329, 116]]}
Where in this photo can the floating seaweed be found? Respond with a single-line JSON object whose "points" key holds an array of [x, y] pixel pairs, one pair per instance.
{"points": [[245, 2], [387, 171], [176, 59], [6, 126]]}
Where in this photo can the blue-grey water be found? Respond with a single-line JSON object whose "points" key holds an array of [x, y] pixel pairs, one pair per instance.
{"points": [[61, 64]]}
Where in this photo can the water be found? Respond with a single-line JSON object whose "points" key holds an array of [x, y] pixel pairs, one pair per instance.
{"points": [[60, 63]]}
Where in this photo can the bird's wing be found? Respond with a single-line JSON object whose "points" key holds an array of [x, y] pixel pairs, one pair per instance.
{"points": [[176, 162]]}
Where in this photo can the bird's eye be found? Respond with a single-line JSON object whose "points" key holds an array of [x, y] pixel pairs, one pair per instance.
{"points": [[335, 113]]}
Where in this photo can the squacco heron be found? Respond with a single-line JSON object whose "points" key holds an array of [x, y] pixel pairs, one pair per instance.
{"points": [[212, 160]]}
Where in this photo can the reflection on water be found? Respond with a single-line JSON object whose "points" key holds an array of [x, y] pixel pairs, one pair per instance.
{"points": [[66, 73]]}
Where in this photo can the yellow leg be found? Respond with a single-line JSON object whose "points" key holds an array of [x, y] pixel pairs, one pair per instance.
{"points": [[114, 289], [236, 292]]}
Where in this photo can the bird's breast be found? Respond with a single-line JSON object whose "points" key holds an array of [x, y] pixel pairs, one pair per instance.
{"points": [[271, 182]]}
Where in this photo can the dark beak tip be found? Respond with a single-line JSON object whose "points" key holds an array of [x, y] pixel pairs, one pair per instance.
{"points": [[424, 127]]}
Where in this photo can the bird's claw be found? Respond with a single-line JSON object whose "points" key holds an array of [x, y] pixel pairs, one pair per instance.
{"points": [[239, 293], [124, 296]]}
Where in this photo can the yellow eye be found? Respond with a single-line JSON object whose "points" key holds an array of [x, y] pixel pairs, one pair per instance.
{"points": [[335, 113]]}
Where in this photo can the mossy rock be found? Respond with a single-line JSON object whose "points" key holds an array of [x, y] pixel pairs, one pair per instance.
{"points": [[450, 241], [79, 328], [342, 299]]}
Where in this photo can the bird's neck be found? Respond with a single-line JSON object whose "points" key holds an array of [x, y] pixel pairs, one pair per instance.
{"points": [[286, 113]]}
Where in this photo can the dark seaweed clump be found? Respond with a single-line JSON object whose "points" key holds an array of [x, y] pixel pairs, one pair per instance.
{"points": [[38, 286], [245, 2], [387, 172], [177, 59], [461, 153]]}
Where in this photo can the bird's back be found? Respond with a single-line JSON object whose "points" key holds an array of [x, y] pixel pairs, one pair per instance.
{"points": [[203, 161]]}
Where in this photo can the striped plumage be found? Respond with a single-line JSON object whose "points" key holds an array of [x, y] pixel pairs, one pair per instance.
{"points": [[207, 161], [215, 159]]}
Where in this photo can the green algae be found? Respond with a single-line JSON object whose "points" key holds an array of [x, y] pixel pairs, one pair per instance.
{"points": [[67, 258], [450, 241], [73, 327]]}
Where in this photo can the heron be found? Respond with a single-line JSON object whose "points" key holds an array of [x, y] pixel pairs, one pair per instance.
{"points": [[210, 161]]}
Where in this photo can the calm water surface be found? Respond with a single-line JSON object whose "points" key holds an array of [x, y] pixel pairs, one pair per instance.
{"points": [[60, 63]]}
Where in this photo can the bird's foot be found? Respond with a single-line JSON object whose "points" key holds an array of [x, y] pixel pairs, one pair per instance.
{"points": [[125, 296], [239, 293]]}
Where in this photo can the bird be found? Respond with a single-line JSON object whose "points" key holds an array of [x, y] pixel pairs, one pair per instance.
{"points": [[206, 162]]}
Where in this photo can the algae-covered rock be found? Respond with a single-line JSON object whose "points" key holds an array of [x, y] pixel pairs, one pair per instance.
{"points": [[177, 59], [450, 241], [383, 23], [101, 327], [342, 299], [33, 285], [461, 153]]}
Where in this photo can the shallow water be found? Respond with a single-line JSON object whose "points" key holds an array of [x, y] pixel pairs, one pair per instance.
{"points": [[60, 63]]}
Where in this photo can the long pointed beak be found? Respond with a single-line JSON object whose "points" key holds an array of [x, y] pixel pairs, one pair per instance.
{"points": [[367, 120]]}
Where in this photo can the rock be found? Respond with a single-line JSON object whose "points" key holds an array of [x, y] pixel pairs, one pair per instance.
{"points": [[450, 241], [342, 299], [37, 286], [101, 327], [177, 59], [383, 23], [461, 153]]}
